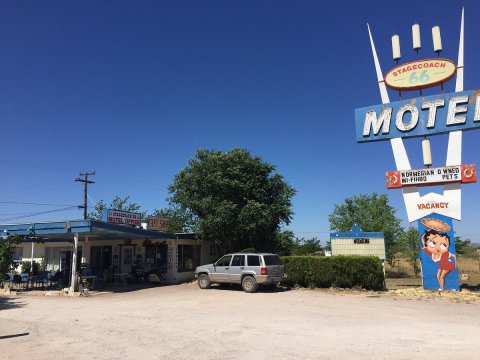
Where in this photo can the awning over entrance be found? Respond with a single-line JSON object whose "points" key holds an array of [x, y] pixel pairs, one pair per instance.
{"points": [[95, 230]]}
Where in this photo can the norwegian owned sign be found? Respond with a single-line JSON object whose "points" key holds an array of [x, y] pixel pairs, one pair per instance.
{"points": [[420, 74], [431, 176], [420, 116], [122, 217], [157, 223]]}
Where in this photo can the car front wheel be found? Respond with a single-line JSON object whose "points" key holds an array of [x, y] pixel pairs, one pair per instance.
{"points": [[249, 284], [204, 281]]}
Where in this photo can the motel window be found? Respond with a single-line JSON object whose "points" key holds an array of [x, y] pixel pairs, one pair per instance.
{"points": [[17, 253], [188, 257]]}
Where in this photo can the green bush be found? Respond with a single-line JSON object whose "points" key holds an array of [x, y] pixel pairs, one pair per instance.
{"points": [[26, 265], [334, 271]]}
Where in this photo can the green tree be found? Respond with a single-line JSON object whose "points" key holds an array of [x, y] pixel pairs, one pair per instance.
{"points": [[117, 204], [371, 213], [328, 247], [179, 220], [239, 201], [463, 247], [27, 267], [409, 245], [306, 247], [6, 253], [285, 243]]}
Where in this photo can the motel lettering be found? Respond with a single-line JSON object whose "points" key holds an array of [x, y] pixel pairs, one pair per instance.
{"points": [[419, 116]]}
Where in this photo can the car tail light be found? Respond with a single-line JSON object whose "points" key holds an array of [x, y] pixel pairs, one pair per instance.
{"points": [[264, 271]]}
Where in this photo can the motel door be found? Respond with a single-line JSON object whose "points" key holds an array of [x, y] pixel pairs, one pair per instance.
{"points": [[65, 266], [127, 258]]}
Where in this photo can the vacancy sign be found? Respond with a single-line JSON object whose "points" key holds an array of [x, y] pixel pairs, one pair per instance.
{"points": [[431, 176]]}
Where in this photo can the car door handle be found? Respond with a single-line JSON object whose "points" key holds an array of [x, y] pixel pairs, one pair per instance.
{"points": [[227, 268], [241, 268]]}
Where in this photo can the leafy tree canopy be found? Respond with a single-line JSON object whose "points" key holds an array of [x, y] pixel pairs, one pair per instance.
{"points": [[463, 247], [285, 242], [179, 220], [238, 199], [6, 255], [305, 247], [371, 213], [117, 204]]}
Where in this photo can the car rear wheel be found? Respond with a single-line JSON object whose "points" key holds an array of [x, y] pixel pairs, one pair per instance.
{"points": [[204, 281], [249, 284]]}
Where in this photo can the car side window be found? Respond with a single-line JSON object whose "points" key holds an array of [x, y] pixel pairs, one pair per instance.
{"points": [[253, 260], [238, 260], [224, 261]]}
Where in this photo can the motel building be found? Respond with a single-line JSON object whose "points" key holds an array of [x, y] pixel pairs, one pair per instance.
{"points": [[109, 252]]}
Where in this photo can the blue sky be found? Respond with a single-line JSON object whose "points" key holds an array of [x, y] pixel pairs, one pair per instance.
{"points": [[131, 89]]}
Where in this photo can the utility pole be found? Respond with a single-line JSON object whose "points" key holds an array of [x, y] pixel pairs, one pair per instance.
{"points": [[85, 190]]}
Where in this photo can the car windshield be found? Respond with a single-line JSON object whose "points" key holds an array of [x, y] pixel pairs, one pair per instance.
{"points": [[272, 260]]}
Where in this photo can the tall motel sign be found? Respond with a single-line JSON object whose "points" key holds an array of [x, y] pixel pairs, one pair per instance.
{"points": [[423, 116]]}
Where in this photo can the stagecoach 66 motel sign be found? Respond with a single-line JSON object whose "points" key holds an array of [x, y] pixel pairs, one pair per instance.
{"points": [[420, 74], [424, 116], [421, 117]]}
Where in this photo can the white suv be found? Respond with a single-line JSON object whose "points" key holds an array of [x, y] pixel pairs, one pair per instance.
{"points": [[248, 269]]}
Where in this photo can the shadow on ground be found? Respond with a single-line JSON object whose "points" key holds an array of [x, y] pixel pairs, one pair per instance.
{"points": [[111, 288], [236, 287], [7, 303], [470, 287], [9, 336]]}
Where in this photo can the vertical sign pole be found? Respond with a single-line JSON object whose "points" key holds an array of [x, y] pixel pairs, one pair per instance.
{"points": [[410, 194], [454, 149]]}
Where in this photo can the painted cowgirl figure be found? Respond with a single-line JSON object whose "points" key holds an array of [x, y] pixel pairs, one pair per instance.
{"points": [[435, 245]]}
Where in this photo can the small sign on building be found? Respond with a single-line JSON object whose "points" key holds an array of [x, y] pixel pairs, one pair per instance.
{"points": [[122, 217], [157, 223], [358, 242]]}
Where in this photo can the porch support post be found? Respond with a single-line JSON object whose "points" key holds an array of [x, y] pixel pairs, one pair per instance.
{"points": [[31, 258], [74, 264]]}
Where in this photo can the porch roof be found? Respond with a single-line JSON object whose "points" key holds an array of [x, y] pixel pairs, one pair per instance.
{"points": [[95, 230]]}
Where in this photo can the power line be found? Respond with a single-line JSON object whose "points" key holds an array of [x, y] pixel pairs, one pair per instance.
{"points": [[91, 200], [29, 203], [137, 183], [39, 213], [10, 214]]}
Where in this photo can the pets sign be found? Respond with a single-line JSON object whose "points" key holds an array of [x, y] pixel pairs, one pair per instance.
{"points": [[425, 177]]}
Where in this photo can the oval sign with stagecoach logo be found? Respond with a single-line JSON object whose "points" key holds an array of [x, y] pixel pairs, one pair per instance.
{"points": [[420, 74]]}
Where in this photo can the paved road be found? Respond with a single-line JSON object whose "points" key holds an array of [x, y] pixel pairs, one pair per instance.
{"points": [[184, 322]]}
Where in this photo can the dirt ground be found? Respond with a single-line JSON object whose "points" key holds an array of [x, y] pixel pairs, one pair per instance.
{"points": [[184, 322]]}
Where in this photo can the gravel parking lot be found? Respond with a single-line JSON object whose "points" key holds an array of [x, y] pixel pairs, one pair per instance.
{"points": [[184, 322]]}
